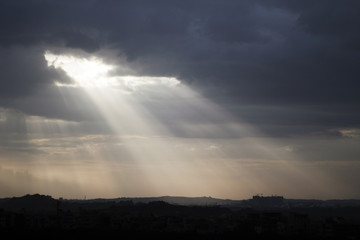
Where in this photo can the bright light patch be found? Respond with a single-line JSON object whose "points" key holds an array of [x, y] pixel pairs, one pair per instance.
{"points": [[93, 72], [350, 132]]}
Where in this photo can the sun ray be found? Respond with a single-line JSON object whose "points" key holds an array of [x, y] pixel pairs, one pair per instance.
{"points": [[177, 141]]}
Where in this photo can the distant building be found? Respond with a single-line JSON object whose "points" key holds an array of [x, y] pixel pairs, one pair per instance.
{"points": [[267, 201]]}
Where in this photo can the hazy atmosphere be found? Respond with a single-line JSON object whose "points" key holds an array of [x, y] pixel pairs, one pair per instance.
{"points": [[219, 98]]}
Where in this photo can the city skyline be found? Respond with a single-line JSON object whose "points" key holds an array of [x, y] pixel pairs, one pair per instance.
{"points": [[226, 99]]}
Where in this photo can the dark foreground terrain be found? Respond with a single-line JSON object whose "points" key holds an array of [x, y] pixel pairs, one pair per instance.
{"points": [[43, 217]]}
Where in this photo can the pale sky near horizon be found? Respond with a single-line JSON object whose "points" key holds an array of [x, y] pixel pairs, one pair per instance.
{"points": [[227, 99]]}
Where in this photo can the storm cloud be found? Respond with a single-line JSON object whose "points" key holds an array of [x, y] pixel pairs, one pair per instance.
{"points": [[298, 58]]}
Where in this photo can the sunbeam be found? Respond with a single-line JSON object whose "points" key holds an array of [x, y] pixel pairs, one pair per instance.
{"points": [[145, 136]]}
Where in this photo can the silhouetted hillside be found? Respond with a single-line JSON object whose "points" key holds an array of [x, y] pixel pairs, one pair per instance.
{"points": [[30, 203], [187, 201]]}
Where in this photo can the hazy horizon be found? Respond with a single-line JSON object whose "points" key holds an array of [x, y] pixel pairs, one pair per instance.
{"points": [[85, 198], [226, 99]]}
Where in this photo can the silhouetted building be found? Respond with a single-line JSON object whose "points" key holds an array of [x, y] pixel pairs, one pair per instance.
{"points": [[262, 202]]}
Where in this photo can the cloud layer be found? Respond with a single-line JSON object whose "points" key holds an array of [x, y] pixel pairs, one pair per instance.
{"points": [[297, 56]]}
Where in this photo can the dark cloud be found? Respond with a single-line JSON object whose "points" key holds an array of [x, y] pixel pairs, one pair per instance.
{"points": [[22, 71], [27, 85], [298, 57]]}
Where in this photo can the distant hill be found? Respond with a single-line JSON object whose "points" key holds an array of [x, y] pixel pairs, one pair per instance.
{"points": [[43, 203], [187, 201], [30, 203]]}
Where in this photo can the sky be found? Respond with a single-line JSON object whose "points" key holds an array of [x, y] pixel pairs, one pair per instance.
{"points": [[218, 98]]}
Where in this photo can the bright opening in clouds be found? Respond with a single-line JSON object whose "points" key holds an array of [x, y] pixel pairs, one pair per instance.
{"points": [[93, 72]]}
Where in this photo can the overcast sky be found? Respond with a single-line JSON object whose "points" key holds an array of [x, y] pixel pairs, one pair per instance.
{"points": [[145, 98]]}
